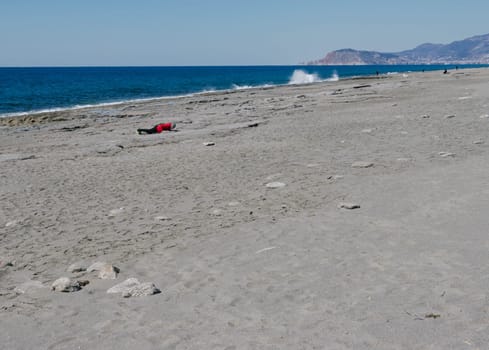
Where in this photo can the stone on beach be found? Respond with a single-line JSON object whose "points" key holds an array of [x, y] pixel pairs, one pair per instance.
{"points": [[209, 143], [11, 223], [162, 218], [65, 284], [4, 262], [115, 212], [105, 270], [346, 205], [108, 272], [133, 288], [478, 142], [141, 290], [274, 185], [450, 116], [217, 212], [362, 165], [446, 154]]}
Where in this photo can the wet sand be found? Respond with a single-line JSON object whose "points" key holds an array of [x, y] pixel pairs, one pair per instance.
{"points": [[243, 265]]}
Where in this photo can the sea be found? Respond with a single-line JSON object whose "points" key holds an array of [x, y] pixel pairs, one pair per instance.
{"points": [[26, 90]]}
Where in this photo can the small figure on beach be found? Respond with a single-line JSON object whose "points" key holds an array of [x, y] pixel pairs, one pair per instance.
{"points": [[445, 72], [158, 128]]}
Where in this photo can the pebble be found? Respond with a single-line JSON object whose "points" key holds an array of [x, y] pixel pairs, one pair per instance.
{"points": [[65, 284], [478, 142], [450, 116], [11, 223], [76, 267], [425, 116], [362, 165], [209, 143], [162, 218], [335, 177], [446, 154], [115, 212], [265, 250], [217, 212], [275, 185], [349, 206], [133, 288], [4, 262], [29, 286]]}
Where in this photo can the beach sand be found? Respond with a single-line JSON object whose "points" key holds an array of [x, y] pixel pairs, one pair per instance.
{"points": [[243, 265]]}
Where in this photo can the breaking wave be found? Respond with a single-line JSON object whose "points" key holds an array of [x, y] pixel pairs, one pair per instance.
{"points": [[301, 77], [334, 77]]}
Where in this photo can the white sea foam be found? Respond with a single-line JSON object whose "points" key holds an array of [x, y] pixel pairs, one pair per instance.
{"points": [[98, 105], [301, 77], [241, 87], [245, 87], [334, 77]]}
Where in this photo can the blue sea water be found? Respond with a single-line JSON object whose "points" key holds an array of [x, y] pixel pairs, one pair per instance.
{"points": [[35, 89]]}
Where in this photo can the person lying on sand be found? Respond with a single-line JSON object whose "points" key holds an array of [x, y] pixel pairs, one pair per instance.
{"points": [[158, 128]]}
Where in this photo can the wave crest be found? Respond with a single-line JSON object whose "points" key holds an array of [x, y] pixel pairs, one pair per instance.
{"points": [[302, 77]]}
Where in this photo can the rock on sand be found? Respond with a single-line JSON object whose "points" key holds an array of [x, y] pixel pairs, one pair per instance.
{"points": [[275, 185], [348, 206], [362, 165], [65, 284], [106, 271], [133, 288]]}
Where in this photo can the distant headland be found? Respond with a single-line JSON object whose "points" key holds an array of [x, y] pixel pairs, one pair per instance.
{"points": [[474, 50]]}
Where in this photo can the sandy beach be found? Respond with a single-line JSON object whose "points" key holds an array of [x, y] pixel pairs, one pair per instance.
{"points": [[336, 215]]}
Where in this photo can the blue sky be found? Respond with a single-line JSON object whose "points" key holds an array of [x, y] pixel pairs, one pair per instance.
{"points": [[222, 32]]}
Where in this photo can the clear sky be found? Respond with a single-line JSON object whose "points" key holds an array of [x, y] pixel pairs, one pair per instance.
{"points": [[223, 32]]}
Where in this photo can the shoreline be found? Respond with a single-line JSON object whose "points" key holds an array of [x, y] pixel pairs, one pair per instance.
{"points": [[44, 112]]}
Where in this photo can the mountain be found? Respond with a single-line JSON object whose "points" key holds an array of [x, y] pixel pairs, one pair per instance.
{"points": [[474, 50]]}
